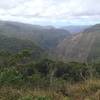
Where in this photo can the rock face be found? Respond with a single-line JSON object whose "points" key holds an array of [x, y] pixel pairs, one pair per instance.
{"points": [[82, 46]]}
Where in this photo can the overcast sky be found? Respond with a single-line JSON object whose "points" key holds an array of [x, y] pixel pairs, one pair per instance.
{"points": [[51, 12]]}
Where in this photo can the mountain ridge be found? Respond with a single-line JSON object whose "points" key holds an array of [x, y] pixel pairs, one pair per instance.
{"points": [[82, 46], [46, 37]]}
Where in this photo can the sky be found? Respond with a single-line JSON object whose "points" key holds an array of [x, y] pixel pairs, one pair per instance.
{"points": [[51, 12]]}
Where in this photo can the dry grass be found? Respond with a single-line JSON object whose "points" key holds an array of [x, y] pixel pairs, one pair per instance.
{"points": [[88, 90], [9, 93]]}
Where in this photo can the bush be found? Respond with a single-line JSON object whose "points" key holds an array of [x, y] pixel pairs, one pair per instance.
{"points": [[71, 71], [10, 76]]}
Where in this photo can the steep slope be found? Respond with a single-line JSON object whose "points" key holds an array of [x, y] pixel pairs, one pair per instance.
{"points": [[46, 37], [14, 45], [81, 47]]}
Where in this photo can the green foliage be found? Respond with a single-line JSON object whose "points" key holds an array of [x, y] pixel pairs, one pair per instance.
{"points": [[44, 66], [26, 98], [10, 76], [42, 98], [71, 71], [22, 71], [35, 98], [20, 68]]}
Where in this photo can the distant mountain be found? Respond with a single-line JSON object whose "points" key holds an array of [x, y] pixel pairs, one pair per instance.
{"points": [[44, 36], [76, 28], [81, 47]]}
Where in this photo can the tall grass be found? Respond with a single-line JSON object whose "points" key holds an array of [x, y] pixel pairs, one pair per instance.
{"points": [[87, 90]]}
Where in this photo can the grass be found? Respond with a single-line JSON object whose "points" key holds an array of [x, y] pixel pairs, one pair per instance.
{"points": [[88, 90], [11, 93]]}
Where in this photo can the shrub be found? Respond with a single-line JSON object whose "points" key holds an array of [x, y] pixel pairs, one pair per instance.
{"points": [[10, 76]]}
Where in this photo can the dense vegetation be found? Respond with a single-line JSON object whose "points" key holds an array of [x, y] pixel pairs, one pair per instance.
{"points": [[27, 72], [15, 45], [23, 78]]}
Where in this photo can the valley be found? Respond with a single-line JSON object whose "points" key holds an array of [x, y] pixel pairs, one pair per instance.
{"points": [[48, 63]]}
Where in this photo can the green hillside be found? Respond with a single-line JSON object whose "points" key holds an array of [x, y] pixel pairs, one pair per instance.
{"points": [[45, 36]]}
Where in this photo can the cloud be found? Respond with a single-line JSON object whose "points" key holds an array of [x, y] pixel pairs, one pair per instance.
{"points": [[50, 10], [8, 4]]}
